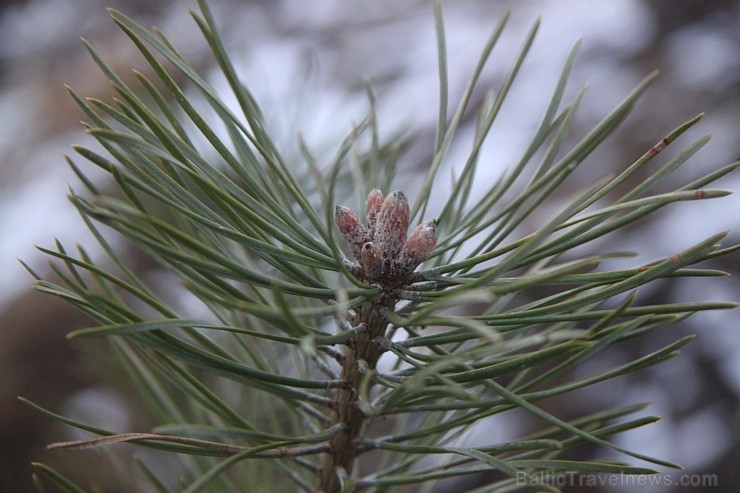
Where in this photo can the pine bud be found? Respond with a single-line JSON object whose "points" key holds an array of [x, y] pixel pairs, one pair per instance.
{"points": [[354, 232], [372, 261], [372, 206], [392, 224], [419, 246]]}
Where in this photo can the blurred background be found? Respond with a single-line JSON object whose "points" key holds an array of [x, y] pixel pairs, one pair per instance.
{"points": [[307, 62]]}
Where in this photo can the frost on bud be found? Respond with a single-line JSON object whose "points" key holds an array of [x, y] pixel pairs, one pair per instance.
{"points": [[354, 232], [387, 256], [372, 261], [392, 224], [372, 206], [419, 246]]}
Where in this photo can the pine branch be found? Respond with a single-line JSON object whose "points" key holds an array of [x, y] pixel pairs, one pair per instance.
{"points": [[476, 316]]}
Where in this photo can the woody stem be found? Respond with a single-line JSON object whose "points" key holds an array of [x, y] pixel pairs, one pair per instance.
{"points": [[343, 450]]}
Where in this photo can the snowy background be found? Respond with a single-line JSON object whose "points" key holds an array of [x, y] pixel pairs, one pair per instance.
{"points": [[306, 62]]}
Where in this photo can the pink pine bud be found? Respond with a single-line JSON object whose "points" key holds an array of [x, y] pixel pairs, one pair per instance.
{"points": [[392, 224], [419, 246], [372, 206], [354, 232], [372, 261]]}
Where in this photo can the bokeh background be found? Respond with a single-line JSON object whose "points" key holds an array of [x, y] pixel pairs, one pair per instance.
{"points": [[307, 63]]}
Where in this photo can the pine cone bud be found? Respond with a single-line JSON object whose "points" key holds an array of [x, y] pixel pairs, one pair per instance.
{"points": [[372, 206], [354, 232], [392, 224], [419, 246], [372, 261]]}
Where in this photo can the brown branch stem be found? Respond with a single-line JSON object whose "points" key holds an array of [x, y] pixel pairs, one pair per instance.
{"points": [[343, 450], [223, 448]]}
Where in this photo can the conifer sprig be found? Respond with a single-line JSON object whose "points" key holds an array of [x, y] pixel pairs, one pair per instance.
{"points": [[304, 296]]}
